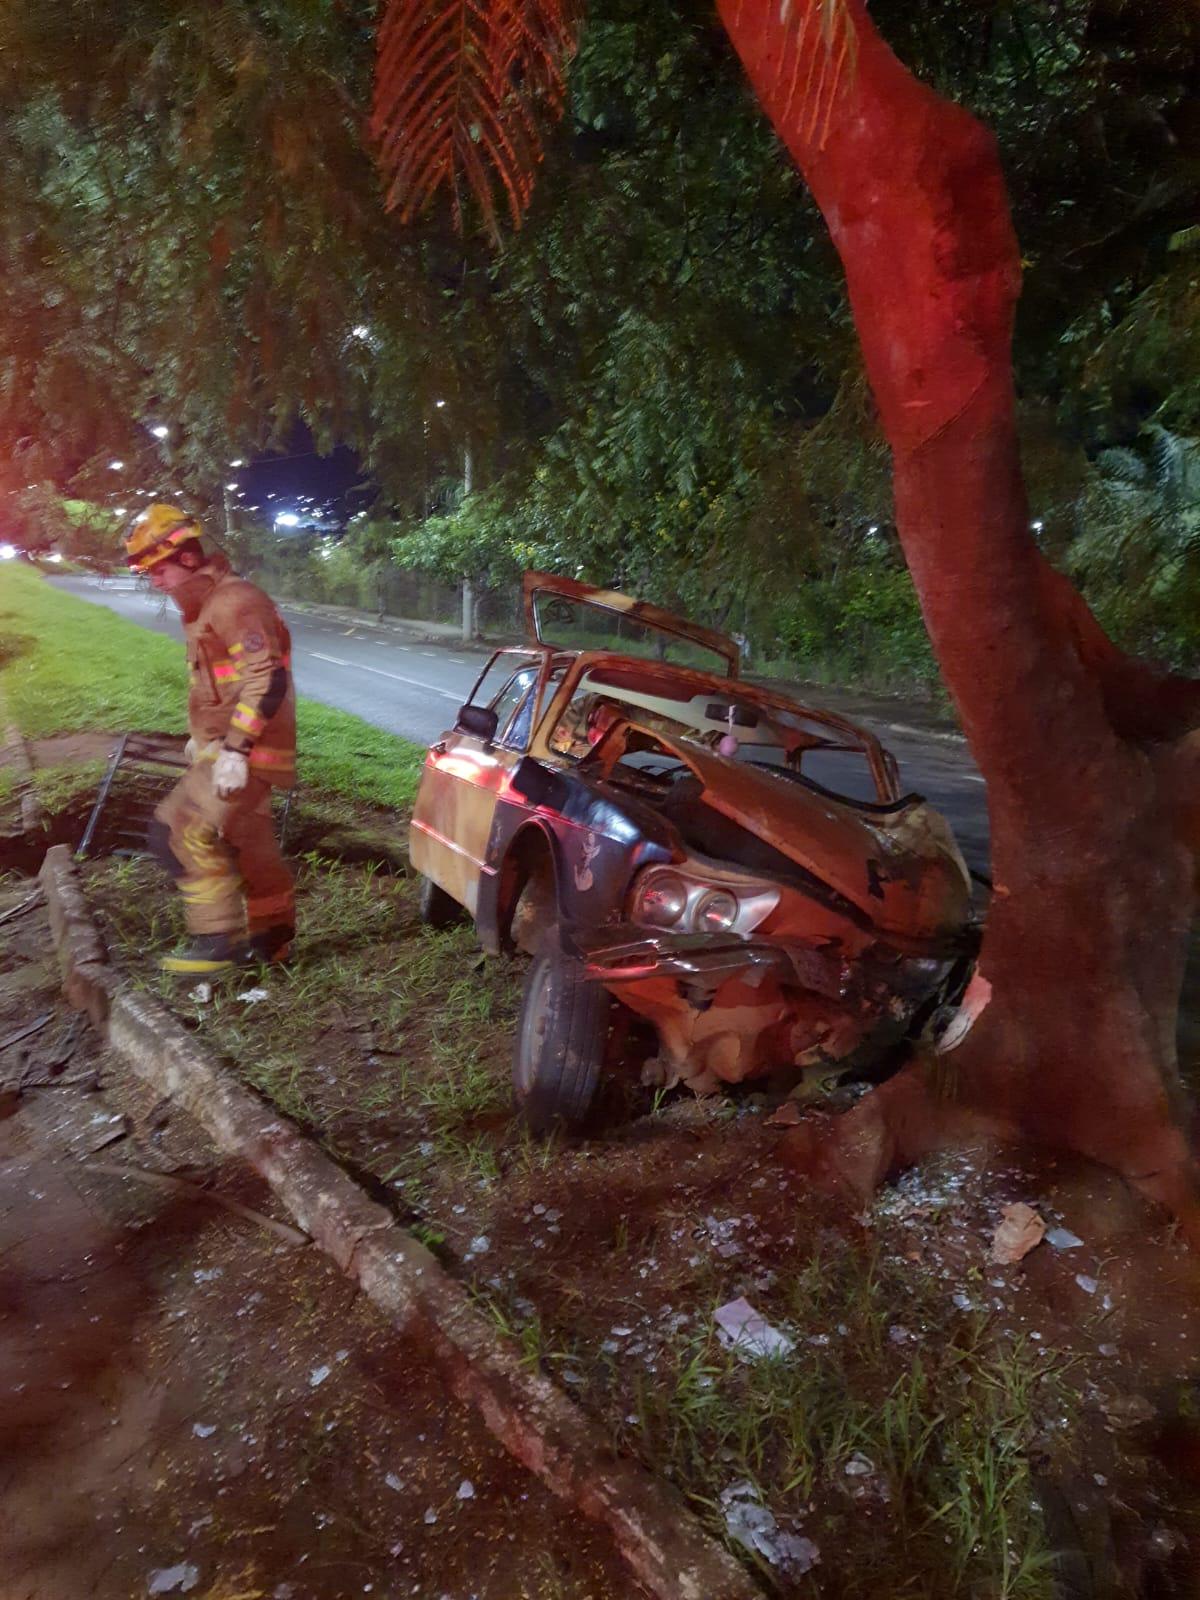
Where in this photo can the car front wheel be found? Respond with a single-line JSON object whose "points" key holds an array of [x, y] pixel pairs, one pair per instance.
{"points": [[560, 1044]]}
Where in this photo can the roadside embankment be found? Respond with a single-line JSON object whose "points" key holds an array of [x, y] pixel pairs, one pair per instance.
{"points": [[663, 1546]]}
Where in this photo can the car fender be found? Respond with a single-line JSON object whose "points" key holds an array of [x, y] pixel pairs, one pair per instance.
{"points": [[513, 833], [594, 852]]}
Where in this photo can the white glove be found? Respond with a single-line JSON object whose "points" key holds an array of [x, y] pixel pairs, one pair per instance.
{"points": [[190, 751], [231, 772]]}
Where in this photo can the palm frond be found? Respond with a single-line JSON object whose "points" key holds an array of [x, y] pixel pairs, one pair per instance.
{"points": [[1124, 465], [462, 88]]}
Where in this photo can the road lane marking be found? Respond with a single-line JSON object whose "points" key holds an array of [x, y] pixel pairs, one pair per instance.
{"points": [[414, 683]]}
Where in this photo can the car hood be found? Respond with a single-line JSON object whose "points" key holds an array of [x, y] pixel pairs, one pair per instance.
{"points": [[898, 864]]}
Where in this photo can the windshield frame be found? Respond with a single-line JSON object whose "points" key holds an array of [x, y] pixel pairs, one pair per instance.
{"points": [[615, 604], [843, 735]]}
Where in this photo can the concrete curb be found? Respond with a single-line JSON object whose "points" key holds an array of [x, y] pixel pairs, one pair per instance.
{"points": [[16, 753], [446, 633], [657, 1535]]}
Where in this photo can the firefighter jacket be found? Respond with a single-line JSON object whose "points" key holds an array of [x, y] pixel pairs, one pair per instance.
{"points": [[239, 665]]}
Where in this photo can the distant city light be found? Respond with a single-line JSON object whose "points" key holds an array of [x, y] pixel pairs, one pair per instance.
{"points": [[287, 519], [160, 430], [360, 332], [238, 463], [439, 404], [874, 528], [1037, 526], [232, 485], [7, 552], [115, 466]]}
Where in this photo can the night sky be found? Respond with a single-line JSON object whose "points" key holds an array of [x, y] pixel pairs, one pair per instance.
{"points": [[301, 481]]}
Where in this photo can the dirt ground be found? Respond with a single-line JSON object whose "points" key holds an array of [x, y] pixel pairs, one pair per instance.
{"points": [[191, 1405], [936, 1425], [939, 1418]]}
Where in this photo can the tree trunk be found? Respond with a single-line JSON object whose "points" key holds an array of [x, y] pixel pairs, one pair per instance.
{"points": [[1074, 1005]]}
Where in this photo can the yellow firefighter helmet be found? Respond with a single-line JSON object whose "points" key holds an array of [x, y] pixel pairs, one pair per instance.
{"points": [[157, 534]]}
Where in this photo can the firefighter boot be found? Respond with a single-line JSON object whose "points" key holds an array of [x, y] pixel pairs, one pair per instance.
{"points": [[269, 946], [205, 954]]}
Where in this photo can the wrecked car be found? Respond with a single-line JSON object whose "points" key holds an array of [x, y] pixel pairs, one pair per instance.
{"points": [[738, 871]]}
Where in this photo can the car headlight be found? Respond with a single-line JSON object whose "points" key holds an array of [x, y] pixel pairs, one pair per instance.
{"points": [[716, 913], [661, 900], [687, 902]]}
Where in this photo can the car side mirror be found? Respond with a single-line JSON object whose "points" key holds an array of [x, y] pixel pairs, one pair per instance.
{"points": [[479, 721]]}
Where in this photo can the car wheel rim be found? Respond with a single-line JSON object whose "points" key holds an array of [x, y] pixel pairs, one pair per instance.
{"points": [[533, 1032]]}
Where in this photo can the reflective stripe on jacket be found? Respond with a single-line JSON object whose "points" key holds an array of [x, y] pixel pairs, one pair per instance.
{"points": [[240, 682]]}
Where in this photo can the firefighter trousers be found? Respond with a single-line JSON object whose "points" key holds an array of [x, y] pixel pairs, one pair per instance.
{"points": [[223, 855]]}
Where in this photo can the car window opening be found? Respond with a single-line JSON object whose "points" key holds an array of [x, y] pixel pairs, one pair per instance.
{"points": [[791, 746]]}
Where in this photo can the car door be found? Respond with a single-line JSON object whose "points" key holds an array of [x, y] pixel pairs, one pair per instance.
{"points": [[464, 775]]}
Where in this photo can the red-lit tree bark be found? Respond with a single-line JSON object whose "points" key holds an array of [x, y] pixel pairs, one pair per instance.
{"points": [[1090, 771], [1088, 767]]}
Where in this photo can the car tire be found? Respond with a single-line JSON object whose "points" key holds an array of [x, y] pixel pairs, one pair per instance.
{"points": [[437, 909], [559, 1049]]}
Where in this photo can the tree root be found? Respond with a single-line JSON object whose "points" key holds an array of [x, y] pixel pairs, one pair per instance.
{"points": [[906, 1119]]}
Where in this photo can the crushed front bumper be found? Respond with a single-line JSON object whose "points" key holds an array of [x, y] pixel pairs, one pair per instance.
{"points": [[627, 953]]}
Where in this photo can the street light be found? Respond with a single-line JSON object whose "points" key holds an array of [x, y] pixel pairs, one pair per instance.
{"points": [[287, 519], [160, 430], [238, 463]]}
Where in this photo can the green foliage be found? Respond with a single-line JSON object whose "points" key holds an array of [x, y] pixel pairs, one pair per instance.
{"points": [[655, 379], [859, 624], [1136, 551]]}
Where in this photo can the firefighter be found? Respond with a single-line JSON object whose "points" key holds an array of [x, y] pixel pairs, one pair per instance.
{"points": [[214, 832]]}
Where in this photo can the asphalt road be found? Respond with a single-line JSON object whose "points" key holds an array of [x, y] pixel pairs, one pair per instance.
{"points": [[389, 675]]}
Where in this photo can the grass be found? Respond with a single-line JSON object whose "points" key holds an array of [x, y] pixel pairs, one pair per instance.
{"points": [[59, 785], [943, 1445], [81, 667], [391, 1043], [376, 1020], [115, 675]]}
